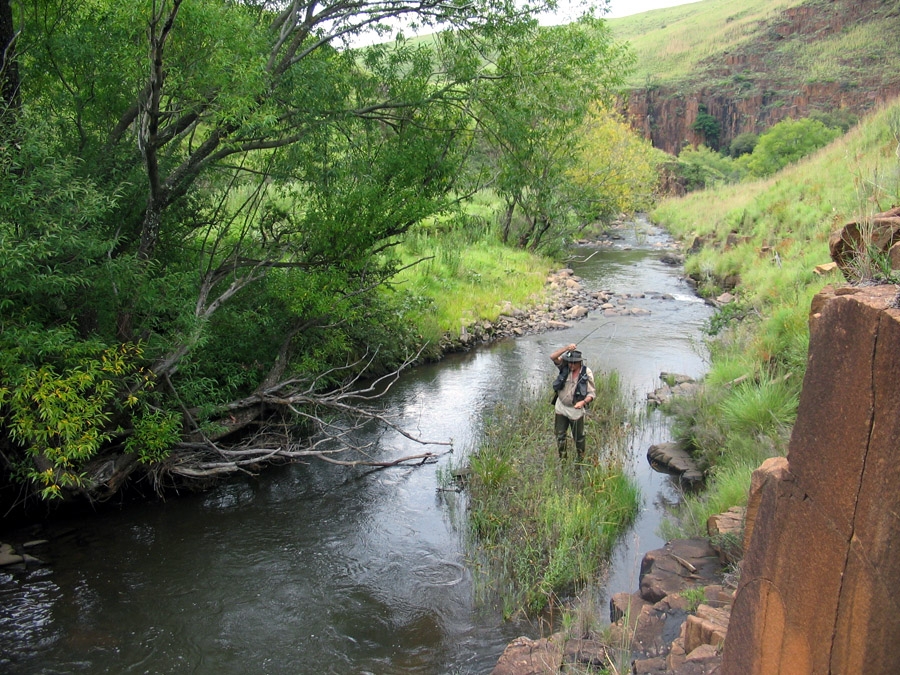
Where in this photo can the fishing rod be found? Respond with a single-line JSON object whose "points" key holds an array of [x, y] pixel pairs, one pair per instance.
{"points": [[593, 331]]}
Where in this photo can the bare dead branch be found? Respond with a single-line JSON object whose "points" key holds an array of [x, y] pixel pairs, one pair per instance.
{"points": [[423, 458], [340, 420]]}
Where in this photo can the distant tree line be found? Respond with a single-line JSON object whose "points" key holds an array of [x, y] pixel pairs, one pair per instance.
{"points": [[751, 155]]}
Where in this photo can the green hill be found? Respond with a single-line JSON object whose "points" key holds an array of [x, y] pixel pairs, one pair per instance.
{"points": [[751, 64]]}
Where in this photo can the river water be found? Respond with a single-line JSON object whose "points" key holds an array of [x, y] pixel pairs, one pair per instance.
{"points": [[323, 569]]}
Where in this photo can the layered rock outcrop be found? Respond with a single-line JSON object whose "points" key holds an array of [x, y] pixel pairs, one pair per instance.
{"points": [[817, 585]]}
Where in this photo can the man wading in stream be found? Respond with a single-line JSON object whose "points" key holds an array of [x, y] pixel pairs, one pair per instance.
{"points": [[574, 387]]}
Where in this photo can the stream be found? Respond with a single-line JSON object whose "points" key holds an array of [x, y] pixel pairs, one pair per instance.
{"points": [[315, 568]]}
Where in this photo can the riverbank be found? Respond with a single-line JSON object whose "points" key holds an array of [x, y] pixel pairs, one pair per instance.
{"points": [[674, 624], [767, 243], [565, 300]]}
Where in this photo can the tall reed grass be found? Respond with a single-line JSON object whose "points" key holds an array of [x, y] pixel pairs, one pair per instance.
{"points": [[542, 527]]}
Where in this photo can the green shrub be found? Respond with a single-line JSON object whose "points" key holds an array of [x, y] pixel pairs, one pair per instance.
{"points": [[743, 144], [707, 125], [786, 142]]}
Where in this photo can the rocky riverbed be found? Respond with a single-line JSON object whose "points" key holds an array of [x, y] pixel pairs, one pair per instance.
{"points": [[17, 556], [674, 624], [568, 301]]}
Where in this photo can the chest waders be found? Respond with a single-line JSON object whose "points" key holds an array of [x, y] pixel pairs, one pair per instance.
{"points": [[562, 424]]}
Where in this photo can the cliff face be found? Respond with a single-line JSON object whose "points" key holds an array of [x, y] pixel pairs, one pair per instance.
{"points": [[751, 87], [817, 590], [666, 116]]}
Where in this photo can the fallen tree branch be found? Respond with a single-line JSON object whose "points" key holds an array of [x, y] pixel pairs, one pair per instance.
{"points": [[425, 458]]}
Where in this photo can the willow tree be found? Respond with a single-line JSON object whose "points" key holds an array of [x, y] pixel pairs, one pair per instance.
{"points": [[200, 207], [545, 88], [615, 171]]}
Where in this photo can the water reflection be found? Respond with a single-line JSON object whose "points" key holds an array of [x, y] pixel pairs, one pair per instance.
{"points": [[314, 568]]}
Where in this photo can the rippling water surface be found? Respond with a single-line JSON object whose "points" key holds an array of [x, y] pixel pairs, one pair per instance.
{"points": [[323, 569]]}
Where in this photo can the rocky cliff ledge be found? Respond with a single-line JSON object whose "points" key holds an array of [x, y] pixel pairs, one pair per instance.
{"points": [[816, 590]]}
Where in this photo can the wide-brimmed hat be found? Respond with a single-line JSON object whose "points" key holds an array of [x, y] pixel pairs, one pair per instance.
{"points": [[573, 356]]}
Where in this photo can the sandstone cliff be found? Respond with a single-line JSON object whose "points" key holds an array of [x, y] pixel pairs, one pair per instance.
{"points": [[816, 592]]}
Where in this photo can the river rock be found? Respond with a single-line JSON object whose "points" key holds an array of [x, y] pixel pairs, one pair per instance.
{"points": [[680, 564], [626, 606], [724, 299], [674, 384], [726, 532], [8, 556], [673, 259], [708, 626], [524, 656], [825, 268], [576, 312], [856, 240], [580, 652], [655, 629], [674, 379], [673, 458]]}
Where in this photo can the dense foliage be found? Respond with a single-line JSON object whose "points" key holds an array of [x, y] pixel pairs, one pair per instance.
{"points": [[532, 121], [200, 202], [755, 156]]}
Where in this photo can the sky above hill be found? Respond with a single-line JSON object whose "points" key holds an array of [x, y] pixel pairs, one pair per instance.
{"points": [[619, 8], [569, 10]]}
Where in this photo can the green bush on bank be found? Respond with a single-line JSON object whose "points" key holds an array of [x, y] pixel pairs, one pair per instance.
{"points": [[540, 526], [751, 155], [778, 230]]}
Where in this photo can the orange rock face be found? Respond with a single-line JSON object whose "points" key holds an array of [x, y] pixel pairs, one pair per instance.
{"points": [[816, 592]]}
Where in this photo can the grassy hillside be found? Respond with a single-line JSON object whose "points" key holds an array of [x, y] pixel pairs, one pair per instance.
{"points": [[770, 235], [781, 40], [671, 43]]}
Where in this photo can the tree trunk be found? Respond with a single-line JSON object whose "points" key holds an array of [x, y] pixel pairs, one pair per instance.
{"points": [[539, 233], [507, 220], [9, 67], [525, 237]]}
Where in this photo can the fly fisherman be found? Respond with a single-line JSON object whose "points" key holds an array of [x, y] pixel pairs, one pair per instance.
{"points": [[574, 387]]}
